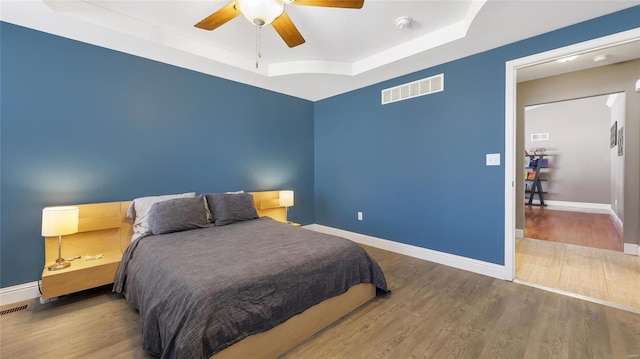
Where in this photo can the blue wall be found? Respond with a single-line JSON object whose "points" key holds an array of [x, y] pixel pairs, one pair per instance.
{"points": [[416, 168], [84, 124]]}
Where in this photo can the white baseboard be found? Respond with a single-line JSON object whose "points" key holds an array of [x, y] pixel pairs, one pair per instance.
{"points": [[579, 206], [616, 219], [633, 249], [27, 291], [19, 293], [452, 260]]}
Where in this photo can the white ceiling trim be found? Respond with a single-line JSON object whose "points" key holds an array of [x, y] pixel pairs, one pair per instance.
{"points": [[483, 29], [426, 42], [311, 67], [423, 43], [36, 15], [93, 13]]}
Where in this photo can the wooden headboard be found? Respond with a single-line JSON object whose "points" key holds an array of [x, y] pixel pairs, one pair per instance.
{"points": [[103, 227]]}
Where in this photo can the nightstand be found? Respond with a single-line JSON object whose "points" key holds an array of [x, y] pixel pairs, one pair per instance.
{"points": [[81, 275], [102, 229]]}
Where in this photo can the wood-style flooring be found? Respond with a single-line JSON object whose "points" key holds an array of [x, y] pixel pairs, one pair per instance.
{"points": [[434, 311], [579, 253], [594, 230], [601, 274]]}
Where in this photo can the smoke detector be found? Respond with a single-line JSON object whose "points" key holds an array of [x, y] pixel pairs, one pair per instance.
{"points": [[403, 22]]}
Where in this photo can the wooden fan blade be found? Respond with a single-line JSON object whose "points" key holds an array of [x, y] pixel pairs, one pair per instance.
{"points": [[219, 17], [287, 30], [349, 4]]}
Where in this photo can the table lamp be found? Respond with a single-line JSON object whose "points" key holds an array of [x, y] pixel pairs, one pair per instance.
{"points": [[286, 199], [59, 221]]}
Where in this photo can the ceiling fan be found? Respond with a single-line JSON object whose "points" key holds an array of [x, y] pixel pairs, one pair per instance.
{"points": [[265, 12]]}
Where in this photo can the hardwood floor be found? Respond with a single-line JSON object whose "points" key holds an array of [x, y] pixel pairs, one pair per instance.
{"points": [[594, 230], [601, 274], [434, 312], [579, 253]]}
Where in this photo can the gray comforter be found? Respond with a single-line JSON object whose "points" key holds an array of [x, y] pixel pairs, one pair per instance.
{"points": [[200, 291]]}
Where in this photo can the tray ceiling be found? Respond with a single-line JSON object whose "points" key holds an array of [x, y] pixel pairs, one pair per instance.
{"points": [[345, 49]]}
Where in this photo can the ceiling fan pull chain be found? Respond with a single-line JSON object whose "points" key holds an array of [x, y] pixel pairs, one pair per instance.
{"points": [[258, 54]]}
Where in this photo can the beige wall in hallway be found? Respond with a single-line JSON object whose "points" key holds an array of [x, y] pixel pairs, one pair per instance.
{"points": [[577, 148], [608, 79]]}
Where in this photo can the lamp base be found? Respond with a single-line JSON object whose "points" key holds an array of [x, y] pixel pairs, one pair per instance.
{"points": [[59, 265]]}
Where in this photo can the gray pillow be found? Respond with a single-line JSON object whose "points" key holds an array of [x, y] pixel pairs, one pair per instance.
{"points": [[227, 208], [179, 214], [138, 212]]}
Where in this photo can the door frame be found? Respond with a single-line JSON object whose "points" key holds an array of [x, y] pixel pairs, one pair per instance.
{"points": [[511, 68]]}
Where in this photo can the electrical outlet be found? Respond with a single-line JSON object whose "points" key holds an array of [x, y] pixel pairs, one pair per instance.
{"points": [[359, 216]]}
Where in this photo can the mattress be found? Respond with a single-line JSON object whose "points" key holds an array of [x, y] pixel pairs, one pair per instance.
{"points": [[201, 291]]}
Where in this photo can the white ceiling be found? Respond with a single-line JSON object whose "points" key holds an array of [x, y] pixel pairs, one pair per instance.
{"points": [[608, 55], [345, 49]]}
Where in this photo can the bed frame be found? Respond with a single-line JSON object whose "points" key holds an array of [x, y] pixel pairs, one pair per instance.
{"points": [[103, 229]]}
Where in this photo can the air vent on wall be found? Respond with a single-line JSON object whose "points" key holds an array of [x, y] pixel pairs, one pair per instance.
{"points": [[540, 136], [422, 87]]}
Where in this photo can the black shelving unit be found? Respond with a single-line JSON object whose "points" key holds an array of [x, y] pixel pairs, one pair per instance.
{"points": [[536, 183]]}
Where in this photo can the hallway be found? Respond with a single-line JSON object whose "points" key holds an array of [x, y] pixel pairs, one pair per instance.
{"points": [[595, 230]]}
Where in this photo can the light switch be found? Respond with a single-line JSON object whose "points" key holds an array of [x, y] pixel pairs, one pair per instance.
{"points": [[493, 159]]}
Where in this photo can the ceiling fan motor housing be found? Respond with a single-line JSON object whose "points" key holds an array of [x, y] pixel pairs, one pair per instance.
{"points": [[260, 12], [270, 12]]}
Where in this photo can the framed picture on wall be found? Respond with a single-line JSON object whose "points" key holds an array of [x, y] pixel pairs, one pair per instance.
{"points": [[613, 135], [621, 141]]}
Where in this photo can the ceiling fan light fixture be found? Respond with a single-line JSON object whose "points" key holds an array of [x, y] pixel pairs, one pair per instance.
{"points": [[260, 12]]}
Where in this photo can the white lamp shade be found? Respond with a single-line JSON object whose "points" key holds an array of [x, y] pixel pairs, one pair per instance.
{"points": [[261, 12], [59, 221], [286, 198]]}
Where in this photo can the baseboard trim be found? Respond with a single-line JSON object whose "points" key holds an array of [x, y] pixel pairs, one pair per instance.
{"points": [[28, 291], [633, 249], [616, 219], [451, 260], [579, 206], [19, 293], [519, 233]]}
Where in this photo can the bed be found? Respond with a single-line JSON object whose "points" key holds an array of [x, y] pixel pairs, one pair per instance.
{"points": [[254, 287]]}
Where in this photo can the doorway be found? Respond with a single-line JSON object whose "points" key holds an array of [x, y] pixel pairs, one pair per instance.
{"points": [[551, 253], [574, 193]]}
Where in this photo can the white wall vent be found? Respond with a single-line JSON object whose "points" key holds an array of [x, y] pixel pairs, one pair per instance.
{"points": [[413, 89], [540, 136]]}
